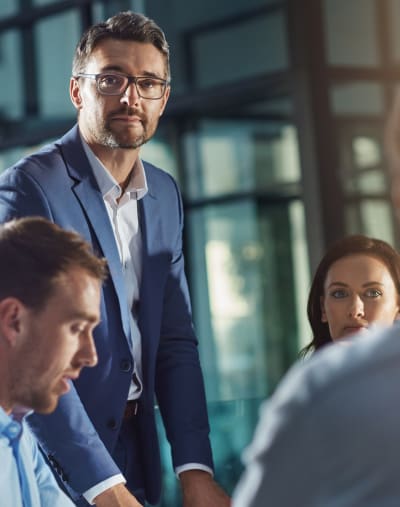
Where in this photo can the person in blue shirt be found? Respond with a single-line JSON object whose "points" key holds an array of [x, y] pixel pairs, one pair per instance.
{"points": [[50, 284], [330, 434]]}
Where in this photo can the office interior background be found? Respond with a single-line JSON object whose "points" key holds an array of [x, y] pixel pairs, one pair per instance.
{"points": [[274, 131]]}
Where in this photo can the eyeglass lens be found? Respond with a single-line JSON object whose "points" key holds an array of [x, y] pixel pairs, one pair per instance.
{"points": [[116, 84]]}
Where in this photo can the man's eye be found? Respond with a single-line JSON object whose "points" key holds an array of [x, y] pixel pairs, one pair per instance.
{"points": [[77, 328], [110, 80], [148, 83]]}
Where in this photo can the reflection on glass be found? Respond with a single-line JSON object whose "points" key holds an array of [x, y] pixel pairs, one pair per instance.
{"points": [[220, 54], [362, 163], [161, 154], [249, 281], [54, 62], [232, 428], [45, 2], [228, 278], [11, 98], [8, 7], [366, 151], [350, 31], [246, 295], [372, 217], [367, 182], [394, 34], [357, 98], [243, 156]]}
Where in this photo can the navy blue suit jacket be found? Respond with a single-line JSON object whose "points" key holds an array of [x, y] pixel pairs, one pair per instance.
{"points": [[58, 183]]}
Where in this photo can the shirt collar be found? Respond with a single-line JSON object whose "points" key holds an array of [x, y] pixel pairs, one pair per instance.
{"points": [[17, 415], [137, 186], [5, 420]]}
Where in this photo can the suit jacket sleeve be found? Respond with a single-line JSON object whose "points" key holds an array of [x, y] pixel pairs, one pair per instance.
{"points": [[49, 491], [179, 380]]}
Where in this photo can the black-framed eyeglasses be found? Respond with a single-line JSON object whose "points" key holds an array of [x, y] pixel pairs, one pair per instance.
{"points": [[110, 83]]}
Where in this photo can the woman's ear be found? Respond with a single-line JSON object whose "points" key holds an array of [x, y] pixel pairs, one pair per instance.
{"points": [[323, 313]]}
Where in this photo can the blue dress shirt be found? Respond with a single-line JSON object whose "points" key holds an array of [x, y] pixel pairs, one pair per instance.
{"points": [[25, 478]]}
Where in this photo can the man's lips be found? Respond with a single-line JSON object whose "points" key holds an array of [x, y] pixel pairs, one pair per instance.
{"points": [[65, 381], [127, 118]]}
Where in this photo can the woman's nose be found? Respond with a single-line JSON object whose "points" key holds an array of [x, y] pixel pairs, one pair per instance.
{"points": [[356, 308]]}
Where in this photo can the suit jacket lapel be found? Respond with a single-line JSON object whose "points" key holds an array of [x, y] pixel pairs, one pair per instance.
{"points": [[91, 200]]}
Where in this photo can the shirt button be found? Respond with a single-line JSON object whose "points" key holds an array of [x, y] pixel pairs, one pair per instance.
{"points": [[125, 365], [112, 424]]}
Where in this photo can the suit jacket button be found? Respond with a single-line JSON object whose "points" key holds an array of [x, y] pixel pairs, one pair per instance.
{"points": [[112, 424], [125, 365]]}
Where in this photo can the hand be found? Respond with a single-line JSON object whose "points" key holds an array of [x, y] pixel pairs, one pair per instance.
{"points": [[116, 496], [200, 490]]}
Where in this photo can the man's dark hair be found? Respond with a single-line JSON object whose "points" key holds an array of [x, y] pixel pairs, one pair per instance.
{"points": [[127, 25], [35, 253]]}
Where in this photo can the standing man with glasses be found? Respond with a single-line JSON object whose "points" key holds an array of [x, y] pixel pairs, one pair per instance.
{"points": [[93, 181]]}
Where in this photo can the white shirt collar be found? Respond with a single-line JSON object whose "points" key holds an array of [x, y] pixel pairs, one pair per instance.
{"points": [[137, 186]]}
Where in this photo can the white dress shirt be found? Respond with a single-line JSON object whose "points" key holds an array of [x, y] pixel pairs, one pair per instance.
{"points": [[123, 213]]}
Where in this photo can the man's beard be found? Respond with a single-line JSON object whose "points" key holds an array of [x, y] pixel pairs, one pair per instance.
{"points": [[109, 139]]}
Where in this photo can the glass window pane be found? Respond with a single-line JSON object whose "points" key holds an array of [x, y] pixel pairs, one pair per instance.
{"points": [[394, 16], [373, 217], [192, 14], [259, 42], [8, 7], [362, 164], [11, 98], [161, 150], [350, 31], [54, 61], [45, 2], [10, 157], [357, 98], [226, 157], [245, 293], [228, 255]]}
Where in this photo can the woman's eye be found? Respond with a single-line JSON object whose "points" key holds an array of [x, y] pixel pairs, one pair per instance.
{"points": [[373, 293], [339, 293]]}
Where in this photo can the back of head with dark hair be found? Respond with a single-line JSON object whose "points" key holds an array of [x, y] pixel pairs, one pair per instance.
{"points": [[34, 253], [350, 245], [127, 25]]}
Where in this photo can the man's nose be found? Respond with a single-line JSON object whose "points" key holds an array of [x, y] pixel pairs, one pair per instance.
{"points": [[87, 354], [131, 95]]}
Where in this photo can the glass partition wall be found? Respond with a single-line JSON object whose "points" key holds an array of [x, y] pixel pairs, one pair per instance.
{"points": [[274, 132]]}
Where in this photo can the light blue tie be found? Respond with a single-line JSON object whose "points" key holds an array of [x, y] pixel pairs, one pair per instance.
{"points": [[13, 432]]}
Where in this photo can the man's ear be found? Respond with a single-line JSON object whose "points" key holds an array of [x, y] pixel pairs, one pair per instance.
{"points": [[323, 313], [165, 100], [11, 313], [75, 93]]}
